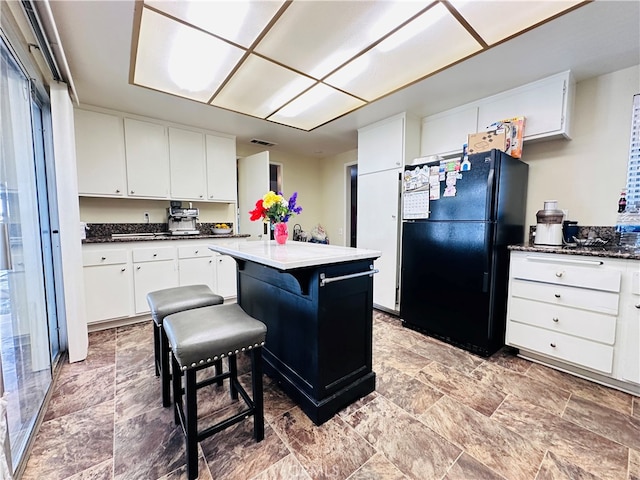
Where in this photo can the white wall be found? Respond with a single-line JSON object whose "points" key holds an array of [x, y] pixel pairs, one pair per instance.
{"points": [[125, 210], [299, 174], [587, 173], [334, 195]]}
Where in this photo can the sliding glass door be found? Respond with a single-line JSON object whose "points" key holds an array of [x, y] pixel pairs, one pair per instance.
{"points": [[27, 296]]}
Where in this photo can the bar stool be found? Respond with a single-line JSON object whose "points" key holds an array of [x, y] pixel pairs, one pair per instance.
{"points": [[198, 338], [166, 302]]}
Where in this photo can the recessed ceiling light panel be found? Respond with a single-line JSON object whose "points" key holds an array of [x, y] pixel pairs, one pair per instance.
{"points": [[432, 41], [259, 87], [178, 59], [239, 21], [495, 21], [319, 36], [318, 105]]}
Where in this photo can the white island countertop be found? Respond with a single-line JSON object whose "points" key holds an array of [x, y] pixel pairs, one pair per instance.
{"points": [[292, 255]]}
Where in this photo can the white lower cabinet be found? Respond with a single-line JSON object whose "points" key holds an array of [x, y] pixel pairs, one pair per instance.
{"points": [[119, 276], [196, 266], [630, 314], [226, 276], [108, 284], [576, 313], [153, 269]]}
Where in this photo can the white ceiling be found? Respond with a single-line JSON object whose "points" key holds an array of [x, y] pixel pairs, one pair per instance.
{"points": [[598, 38]]}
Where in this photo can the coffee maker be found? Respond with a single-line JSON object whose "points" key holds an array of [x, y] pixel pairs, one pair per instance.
{"points": [[182, 221]]}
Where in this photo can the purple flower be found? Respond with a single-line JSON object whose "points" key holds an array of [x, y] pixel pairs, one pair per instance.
{"points": [[292, 204]]}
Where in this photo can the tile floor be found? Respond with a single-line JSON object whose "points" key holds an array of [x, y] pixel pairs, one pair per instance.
{"points": [[437, 413]]}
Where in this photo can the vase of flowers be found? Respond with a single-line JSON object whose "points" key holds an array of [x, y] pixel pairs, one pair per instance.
{"points": [[273, 208]]}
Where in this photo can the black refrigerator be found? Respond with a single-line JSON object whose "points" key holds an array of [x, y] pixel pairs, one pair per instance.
{"points": [[454, 270]]}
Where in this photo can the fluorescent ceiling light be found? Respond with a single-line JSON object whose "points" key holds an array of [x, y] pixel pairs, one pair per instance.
{"points": [[304, 63], [415, 27], [185, 63]]}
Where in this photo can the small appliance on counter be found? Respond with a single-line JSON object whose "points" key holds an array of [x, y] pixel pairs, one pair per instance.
{"points": [[570, 231], [549, 226], [182, 221]]}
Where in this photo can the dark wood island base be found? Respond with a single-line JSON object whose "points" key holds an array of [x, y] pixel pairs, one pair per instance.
{"points": [[319, 328]]}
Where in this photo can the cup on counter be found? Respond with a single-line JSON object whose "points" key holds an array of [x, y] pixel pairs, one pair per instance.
{"points": [[570, 229]]}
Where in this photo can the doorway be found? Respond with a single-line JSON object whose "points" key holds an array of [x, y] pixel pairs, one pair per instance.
{"points": [[352, 204]]}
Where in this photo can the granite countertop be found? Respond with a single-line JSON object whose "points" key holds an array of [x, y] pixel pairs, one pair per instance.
{"points": [[144, 232], [158, 236], [293, 255], [607, 251]]}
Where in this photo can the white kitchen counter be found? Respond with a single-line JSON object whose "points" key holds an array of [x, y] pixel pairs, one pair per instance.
{"points": [[292, 255]]}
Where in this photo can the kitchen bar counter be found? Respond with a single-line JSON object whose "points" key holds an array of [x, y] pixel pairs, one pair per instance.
{"points": [[317, 303], [293, 255], [608, 251]]}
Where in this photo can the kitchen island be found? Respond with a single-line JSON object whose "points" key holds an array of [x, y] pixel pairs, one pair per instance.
{"points": [[317, 303]]}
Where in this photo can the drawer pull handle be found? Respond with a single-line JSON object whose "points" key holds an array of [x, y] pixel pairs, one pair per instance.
{"points": [[552, 345], [138, 267], [155, 254], [557, 295], [196, 251], [103, 258], [638, 305], [564, 260], [559, 274], [555, 319], [124, 269]]}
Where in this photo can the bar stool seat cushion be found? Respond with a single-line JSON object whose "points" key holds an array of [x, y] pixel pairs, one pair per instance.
{"points": [[171, 300], [204, 335]]}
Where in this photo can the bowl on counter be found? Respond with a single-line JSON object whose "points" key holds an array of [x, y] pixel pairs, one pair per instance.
{"points": [[221, 231]]}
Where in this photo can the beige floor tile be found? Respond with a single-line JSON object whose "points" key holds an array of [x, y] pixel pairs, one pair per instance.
{"points": [[489, 442], [605, 421], [589, 451], [414, 449]]}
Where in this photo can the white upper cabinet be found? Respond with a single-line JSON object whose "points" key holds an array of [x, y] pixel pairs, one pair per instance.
{"points": [[445, 133], [545, 104], [188, 172], [221, 168], [100, 154], [147, 159], [118, 156], [383, 145]]}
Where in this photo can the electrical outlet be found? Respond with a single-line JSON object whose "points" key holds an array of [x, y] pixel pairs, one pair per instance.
{"points": [[146, 217]]}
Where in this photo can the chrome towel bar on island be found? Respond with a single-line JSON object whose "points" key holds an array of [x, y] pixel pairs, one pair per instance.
{"points": [[324, 280]]}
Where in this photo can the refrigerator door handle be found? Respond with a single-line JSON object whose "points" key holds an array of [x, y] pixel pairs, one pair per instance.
{"points": [[485, 282], [488, 214]]}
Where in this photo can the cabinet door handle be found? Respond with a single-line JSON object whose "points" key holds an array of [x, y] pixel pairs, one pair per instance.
{"points": [[555, 319], [638, 305], [155, 254], [196, 252], [557, 295], [559, 274], [123, 269], [138, 267], [117, 190], [552, 345], [201, 196], [103, 258], [132, 192]]}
